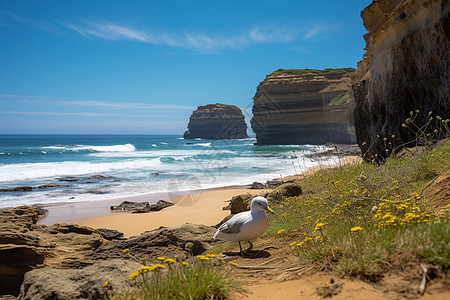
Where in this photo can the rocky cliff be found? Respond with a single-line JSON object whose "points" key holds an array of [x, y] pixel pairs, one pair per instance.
{"points": [[303, 107], [404, 73], [217, 122]]}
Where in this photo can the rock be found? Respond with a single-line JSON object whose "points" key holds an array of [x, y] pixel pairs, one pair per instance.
{"points": [[304, 107], [240, 203], [99, 177], [85, 283], [111, 234], [168, 241], [25, 245], [49, 186], [284, 191], [257, 186], [19, 219], [18, 189], [154, 207], [15, 261], [130, 206], [272, 184], [70, 179], [217, 122], [141, 207], [405, 68]]}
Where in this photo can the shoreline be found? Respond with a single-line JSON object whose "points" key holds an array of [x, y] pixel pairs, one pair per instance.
{"points": [[197, 206], [204, 207]]}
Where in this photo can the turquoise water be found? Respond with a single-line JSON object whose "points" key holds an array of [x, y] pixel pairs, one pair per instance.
{"points": [[134, 165]]}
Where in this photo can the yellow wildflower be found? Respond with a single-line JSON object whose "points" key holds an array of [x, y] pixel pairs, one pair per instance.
{"points": [[133, 275], [105, 285], [211, 255], [356, 228], [233, 264], [202, 257], [185, 263], [158, 266], [169, 261], [161, 258], [319, 226], [126, 251], [145, 269], [281, 231]]}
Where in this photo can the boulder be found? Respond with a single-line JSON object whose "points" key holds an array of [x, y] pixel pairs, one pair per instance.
{"points": [[240, 203], [166, 241], [154, 207], [130, 206], [141, 207], [111, 234], [257, 186], [284, 191], [85, 283]]}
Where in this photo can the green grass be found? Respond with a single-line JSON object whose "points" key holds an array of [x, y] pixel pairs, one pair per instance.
{"points": [[383, 205], [310, 71], [339, 99], [207, 278]]}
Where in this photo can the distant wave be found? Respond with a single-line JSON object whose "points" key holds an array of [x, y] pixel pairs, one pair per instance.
{"points": [[113, 148], [204, 144]]}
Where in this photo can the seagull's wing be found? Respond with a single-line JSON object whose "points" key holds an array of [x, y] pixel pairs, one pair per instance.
{"points": [[234, 224]]}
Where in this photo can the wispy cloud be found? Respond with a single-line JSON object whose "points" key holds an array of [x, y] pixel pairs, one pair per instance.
{"points": [[315, 31], [190, 40], [90, 103], [6, 17], [51, 113]]}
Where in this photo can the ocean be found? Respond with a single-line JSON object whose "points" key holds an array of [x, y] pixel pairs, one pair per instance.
{"points": [[100, 167]]}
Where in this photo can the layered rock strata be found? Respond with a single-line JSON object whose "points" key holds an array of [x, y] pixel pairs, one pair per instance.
{"points": [[404, 75], [303, 107], [217, 122]]}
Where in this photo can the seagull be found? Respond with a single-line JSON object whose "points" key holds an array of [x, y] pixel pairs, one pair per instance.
{"points": [[247, 225]]}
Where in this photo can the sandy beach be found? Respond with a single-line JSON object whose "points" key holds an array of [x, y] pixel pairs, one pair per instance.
{"points": [[204, 207]]}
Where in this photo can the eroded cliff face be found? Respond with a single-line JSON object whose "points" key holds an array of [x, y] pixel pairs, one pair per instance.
{"points": [[303, 107], [405, 68], [217, 122]]}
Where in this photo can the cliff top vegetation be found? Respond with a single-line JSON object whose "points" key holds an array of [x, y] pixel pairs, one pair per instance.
{"points": [[310, 71]]}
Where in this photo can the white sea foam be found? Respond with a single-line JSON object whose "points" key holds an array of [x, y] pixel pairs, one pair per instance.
{"points": [[30, 171], [113, 148], [204, 144], [163, 143]]}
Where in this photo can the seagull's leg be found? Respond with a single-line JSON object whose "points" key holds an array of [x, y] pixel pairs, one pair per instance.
{"points": [[249, 247], [240, 247]]}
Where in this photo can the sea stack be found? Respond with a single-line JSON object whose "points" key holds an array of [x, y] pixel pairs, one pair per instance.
{"points": [[304, 106], [404, 75], [217, 122]]}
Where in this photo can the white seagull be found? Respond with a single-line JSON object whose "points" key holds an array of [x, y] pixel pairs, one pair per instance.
{"points": [[247, 225]]}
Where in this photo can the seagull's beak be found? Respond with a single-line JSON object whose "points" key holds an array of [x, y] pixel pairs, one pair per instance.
{"points": [[269, 210]]}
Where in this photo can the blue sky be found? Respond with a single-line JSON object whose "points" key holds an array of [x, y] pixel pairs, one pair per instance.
{"points": [[142, 67]]}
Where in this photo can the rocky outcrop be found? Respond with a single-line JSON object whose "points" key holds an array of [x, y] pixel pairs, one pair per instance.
{"points": [[25, 245], [85, 283], [303, 107], [141, 207], [405, 68], [165, 241], [217, 122]]}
